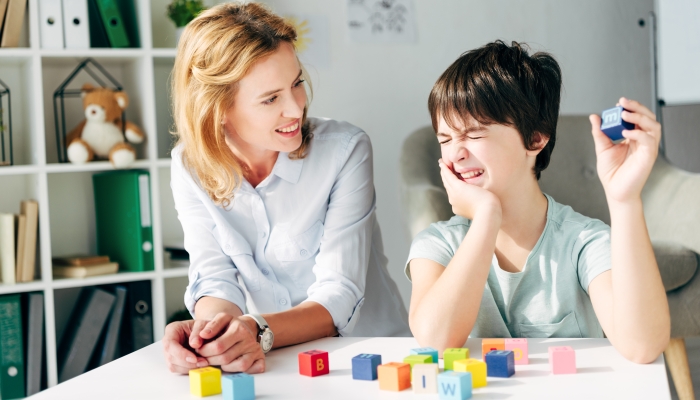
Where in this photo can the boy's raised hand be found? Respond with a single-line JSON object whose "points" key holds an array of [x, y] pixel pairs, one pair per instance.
{"points": [[623, 168], [467, 200]]}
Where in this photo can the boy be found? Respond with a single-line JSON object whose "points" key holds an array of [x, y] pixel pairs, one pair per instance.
{"points": [[513, 262]]}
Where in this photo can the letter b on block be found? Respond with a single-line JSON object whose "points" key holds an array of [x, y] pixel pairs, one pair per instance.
{"points": [[313, 363]]}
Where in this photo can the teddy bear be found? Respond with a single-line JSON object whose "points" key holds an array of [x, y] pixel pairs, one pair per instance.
{"points": [[100, 133]]}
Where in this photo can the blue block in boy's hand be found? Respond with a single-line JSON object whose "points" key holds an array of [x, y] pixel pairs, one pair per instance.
{"points": [[239, 386], [428, 351], [364, 366], [500, 363], [612, 124]]}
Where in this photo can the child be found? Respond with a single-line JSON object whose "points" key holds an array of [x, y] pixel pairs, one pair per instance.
{"points": [[513, 262]]}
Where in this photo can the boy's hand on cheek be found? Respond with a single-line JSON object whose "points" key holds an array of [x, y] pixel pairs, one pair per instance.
{"points": [[468, 201], [624, 168]]}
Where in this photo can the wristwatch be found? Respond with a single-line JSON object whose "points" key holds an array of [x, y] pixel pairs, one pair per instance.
{"points": [[265, 335]]}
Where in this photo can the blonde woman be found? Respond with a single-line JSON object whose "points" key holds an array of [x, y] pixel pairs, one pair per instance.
{"points": [[278, 209]]}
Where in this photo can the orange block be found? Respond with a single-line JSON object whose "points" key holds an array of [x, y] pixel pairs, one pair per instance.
{"points": [[490, 345], [394, 376]]}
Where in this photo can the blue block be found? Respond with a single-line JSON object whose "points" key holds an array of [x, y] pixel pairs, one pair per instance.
{"points": [[455, 385], [612, 124], [364, 366], [427, 351], [500, 363], [239, 386]]}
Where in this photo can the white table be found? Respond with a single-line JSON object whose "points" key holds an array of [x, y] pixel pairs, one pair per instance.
{"points": [[602, 374]]}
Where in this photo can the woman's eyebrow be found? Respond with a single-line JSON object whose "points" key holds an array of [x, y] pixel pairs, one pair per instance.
{"points": [[271, 92]]}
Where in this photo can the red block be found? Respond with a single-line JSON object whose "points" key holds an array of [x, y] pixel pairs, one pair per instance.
{"points": [[313, 363]]}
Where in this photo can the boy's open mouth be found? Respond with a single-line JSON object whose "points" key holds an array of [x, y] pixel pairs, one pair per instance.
{"points": [[472, 174]]}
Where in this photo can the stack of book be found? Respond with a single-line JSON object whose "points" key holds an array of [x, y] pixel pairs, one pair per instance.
{"points": [[12, 18], [83, 266], [18, 243]]}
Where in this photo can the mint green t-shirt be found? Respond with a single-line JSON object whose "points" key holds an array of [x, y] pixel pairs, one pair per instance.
{"points": [[549, 297]]}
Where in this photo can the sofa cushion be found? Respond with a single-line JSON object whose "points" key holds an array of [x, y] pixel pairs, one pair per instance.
{"points": [[677, 264]]}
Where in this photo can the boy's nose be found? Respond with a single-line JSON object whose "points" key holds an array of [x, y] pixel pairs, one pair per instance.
{"points": [[458, 153]]}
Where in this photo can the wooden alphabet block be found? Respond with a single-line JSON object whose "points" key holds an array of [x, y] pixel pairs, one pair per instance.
{"points": [[427, 350], [454, 354], [239, 386], [364, 366], [205, 381], [313, 363], [394, 376], [455, 385], [519, 349], [490, 345], [562, 360], [414, 359], [425, 378], [500, 363], [476, 367]]}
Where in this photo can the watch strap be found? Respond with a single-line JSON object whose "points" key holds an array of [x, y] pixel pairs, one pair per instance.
{"points": [[262, 324]]}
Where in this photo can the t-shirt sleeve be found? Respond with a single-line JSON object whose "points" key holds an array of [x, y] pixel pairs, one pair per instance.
{"points": [[591, 252], [437, 243]]}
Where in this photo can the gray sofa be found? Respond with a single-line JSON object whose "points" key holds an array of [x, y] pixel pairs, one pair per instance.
{"points": [[671, 205]]}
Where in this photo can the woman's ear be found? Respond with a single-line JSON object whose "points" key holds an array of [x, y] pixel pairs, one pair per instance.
{"points": [[539, 140]]}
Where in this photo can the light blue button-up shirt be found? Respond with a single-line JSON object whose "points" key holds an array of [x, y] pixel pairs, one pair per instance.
{"points": [[308, 232]]}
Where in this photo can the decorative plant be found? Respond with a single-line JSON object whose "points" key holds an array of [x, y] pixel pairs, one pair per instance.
{"points": [[181, 12]]}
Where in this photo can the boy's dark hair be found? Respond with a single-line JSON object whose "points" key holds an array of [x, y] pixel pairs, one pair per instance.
{"points": [[501, 84]]}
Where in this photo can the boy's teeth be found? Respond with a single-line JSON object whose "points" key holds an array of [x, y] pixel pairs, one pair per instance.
{"points": [[472, 174], [289, 129]]}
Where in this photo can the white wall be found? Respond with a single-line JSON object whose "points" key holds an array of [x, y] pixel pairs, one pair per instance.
{"points": [[603, 52]]}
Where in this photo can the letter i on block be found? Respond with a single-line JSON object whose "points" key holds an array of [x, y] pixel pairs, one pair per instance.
{"points": [[364, 366], [240, 386], [425, 378], [476, 367], [491, 345], [519, 349], [562, 360], [452, 355], [427, 350], [455, 385], [205, 381], [313, 363], [394, 376]]}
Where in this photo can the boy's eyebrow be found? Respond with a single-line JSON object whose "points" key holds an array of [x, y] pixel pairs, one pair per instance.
{"points": [[467, 130], [271, 92]]}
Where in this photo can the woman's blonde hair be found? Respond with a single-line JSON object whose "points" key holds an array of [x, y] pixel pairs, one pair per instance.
{"points": [[216, 50]]}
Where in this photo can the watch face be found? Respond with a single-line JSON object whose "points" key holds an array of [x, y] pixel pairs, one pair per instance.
{"points": [[266, 341]]}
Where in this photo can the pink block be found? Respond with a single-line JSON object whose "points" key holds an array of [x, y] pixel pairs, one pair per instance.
{"points": [[562, 360], [519, 349]]}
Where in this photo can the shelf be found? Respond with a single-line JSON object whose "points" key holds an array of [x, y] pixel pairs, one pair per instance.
{"points": [[33, 286], [59, 54], [64, 283], [175, 272], [19, 170], [164, 53], [93, 166]]}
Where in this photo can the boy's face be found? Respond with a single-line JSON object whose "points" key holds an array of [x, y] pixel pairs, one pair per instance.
{"points": [[492, 157]]}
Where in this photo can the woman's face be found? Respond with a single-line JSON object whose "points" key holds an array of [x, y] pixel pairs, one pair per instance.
{"points": [[268, 106]]}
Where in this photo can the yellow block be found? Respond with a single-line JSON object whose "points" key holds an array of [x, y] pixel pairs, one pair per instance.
{"points": [[476, 367], [205, 381]]}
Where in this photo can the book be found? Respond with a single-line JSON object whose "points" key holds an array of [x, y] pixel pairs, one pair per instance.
{"points": [[30, 209], [34, 335], [14, 18], [113, 23], [7, 248], [82, 332], [11, 348], [20, 239], [123, 218], [3, 7], [80, 260], [111, 335], [50, 24], [98, 35], [84, 271], [137, 326], [76, 24]]}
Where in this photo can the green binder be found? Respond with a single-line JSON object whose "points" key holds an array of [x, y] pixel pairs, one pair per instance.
{"points": [[11, 348], [113, 23], [123, 216]]}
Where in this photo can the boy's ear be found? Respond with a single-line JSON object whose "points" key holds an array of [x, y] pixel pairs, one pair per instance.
{"points": [[539, 140]]}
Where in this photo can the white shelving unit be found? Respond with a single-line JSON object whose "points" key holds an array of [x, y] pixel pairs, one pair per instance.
{"points": [[64, 191]]}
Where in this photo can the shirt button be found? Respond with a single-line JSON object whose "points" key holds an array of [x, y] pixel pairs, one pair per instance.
{"points": [[265, 272], [263, 234], [283, 301], [304, 253], [228, 247]]}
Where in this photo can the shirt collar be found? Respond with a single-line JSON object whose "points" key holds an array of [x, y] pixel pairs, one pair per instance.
{"points": [[287, 169]]}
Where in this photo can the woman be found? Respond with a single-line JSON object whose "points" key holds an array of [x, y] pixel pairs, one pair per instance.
{"points": [[278, 210]]}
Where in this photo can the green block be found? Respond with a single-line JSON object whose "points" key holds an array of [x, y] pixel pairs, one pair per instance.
{"points": [[452, 355], [414, 359]]}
